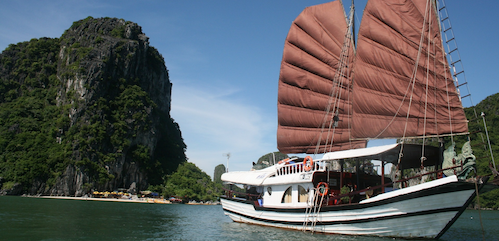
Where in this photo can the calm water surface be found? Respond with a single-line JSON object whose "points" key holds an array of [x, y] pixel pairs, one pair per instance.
{"points": [[23, 218]]}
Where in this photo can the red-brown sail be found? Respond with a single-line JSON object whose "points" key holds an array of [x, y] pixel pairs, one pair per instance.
{"points": [[384, 95], [309, 65]]}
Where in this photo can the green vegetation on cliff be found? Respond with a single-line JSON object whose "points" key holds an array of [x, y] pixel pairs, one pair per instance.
{"points": [[29, 117], [190, 183]]}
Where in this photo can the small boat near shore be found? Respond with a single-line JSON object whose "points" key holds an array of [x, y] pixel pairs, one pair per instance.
{"points": [[334, 96], [125, 200]]}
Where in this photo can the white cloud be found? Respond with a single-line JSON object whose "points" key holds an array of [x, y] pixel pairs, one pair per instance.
{"points": [[214, 122]]}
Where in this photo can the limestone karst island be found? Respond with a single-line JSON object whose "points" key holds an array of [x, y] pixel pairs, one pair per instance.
{"points": [[90, 112]]}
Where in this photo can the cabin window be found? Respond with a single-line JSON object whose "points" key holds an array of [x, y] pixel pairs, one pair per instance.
{"points": [[333, 182], [302, 194], [287, 198]]}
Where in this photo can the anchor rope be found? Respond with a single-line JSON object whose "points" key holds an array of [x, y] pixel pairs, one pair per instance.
{"points": [[479, 212]]}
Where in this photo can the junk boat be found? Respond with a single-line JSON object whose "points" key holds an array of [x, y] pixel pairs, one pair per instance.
{"points": [[334, 96]]}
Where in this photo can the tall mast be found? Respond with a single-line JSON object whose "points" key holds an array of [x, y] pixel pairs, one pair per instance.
{"points": [[353, 23]]}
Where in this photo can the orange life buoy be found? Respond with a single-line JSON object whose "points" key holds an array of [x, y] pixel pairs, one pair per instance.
{"points": [[307, 166], [322, 188]]}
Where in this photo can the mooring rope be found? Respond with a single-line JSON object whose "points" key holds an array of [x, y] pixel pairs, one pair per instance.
{"points": [[479, 212]]}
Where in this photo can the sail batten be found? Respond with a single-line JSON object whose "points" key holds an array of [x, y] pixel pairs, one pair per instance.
{"points": [[306, 99], [305, 36]]}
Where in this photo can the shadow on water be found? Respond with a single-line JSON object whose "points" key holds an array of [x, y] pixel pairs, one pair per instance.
{"points": [[51, 219]]}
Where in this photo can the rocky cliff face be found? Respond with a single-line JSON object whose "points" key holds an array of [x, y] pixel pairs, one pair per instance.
{"points": [[113, 94], [106, 53]]}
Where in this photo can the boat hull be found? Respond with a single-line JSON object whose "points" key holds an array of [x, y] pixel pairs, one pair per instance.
{"points": [[422, 211]]}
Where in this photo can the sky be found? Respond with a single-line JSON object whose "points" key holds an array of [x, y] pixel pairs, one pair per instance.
{"points": [[224, 57]]}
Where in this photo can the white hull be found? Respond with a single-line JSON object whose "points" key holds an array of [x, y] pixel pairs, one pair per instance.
{"points": [[422, 211]]}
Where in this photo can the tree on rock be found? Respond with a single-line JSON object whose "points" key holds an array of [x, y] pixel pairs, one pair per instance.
{"points": [[190, 183]]}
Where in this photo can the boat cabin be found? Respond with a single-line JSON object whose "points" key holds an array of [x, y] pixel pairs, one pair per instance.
{"points": [[298, 182]]}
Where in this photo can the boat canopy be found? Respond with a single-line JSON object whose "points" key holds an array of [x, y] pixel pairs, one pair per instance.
{"points": [[355, 153], [254, 178], [411, 154]]}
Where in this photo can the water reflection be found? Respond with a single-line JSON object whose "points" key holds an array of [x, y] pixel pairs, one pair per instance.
{"points": [[48, 219]]}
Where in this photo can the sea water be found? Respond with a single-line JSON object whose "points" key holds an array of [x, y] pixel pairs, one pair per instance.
{"points": [[25, 218]]}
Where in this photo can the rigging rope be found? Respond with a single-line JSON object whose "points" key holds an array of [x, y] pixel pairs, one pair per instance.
{"points": [[447, 92], [442, 11], [479, 213], [413, 80], [428, 48], [332, 109]]}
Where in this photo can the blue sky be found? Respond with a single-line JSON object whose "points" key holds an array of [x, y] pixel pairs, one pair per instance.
{"points": [[224, 59]]}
